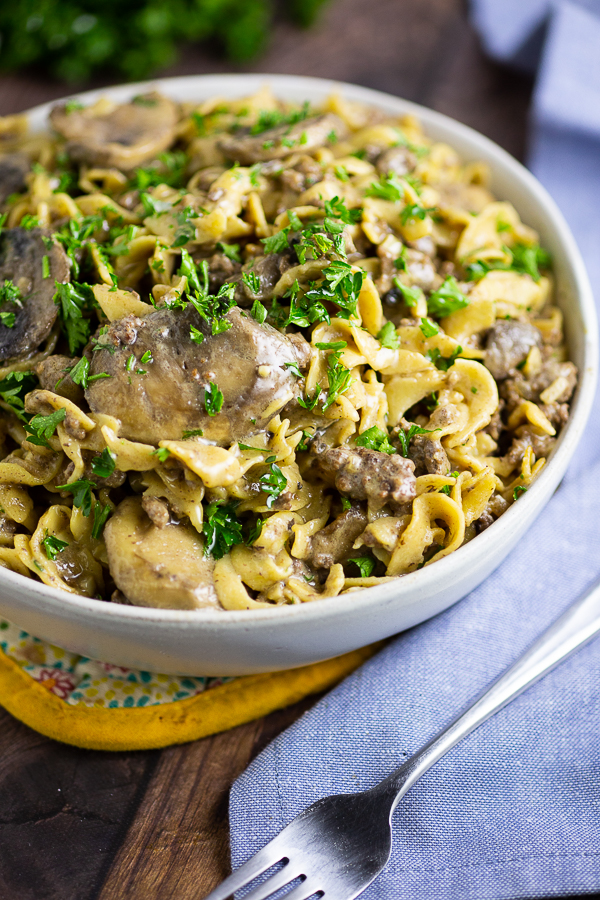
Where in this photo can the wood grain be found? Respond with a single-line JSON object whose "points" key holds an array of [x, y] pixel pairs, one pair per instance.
{"points": [[80, 825]]}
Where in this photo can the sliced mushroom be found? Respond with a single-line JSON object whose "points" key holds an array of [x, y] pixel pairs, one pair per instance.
{"points": [[13, 169], [246, 363], [275, 143], [21, 262], [161, 567], [123, 136]]}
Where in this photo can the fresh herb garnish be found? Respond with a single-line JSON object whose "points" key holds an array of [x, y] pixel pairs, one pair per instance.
{"points": [[40, 428], [221, 528], [195, 432], [411, 295], [231, 251], [339, 378], [294, 369], [162, 453], [258, 312], [82, 494], [252, 282], [388, 337], [387, 188], [277, 242], [366, 564], [405, 437], [443, 363], [428, 328], [518, 491], [103, 465], [53, 546], [101, 514], [272, 483], [14, 387], [447, 299], [213, 399], [375, 439], [73, 300]]}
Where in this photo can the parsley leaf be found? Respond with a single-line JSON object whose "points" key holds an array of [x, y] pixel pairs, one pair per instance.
{"points": [[101, 514], [294, 369], [13, 389], [339, 378], [53, 546], [40, 428], [336, 209], [221, 529], [277, 242], [518, 491], [375, 439], [411, 295], [252, 281], [82, 494], [213, 399], [195, 432], [388, 336], [258, 312], [447, 299], [443, 363], [428, 328], [10, 293], [104, 465], [405, 437], [73, 300], [273, 483], [231, 251], [387, 188], [366, 564]]}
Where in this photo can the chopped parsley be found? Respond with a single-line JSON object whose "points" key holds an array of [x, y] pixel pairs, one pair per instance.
{"points": [[40, 428], [221, 529], [339, 378], [387, 188], [80, 373], [213, 399], [53, 546], [428, 328], [45, 266], [405, 437], [195, 432], [388, 337], [162, 453], [271, 118], [8, 319], [277, 242], [101, 514], [10, 293], [294, 369], [258, 312], [82, 494], [186, 230], [273, 483], [73, 300], [366, 564], [251, 281], [103, 465], [411, 295], [196, 335], [375, 439], [447, 299], [13, 389], [28, 222], [414, 211], [331, 345], [231, 251], [443, 363], [518, 491]]}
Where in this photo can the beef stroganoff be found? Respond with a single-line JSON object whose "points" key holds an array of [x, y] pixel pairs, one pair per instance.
{"points": [[255, 353]]}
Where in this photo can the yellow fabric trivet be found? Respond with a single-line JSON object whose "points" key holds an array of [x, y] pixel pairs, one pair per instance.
{"points": [[103, 707]]}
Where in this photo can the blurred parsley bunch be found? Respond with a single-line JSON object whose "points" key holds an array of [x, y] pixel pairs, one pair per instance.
{"points": [[74, 39]]}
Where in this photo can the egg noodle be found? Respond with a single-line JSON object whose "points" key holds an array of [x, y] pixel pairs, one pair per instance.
{"points": [[255, 353]]}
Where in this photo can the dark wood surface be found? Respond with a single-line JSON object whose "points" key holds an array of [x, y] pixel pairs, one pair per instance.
{"points": [[81, 825]]}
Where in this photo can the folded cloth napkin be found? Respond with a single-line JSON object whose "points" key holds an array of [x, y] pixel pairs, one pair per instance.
{"points": [[514, 810]]}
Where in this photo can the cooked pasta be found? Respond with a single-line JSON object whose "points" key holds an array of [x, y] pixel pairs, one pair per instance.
{"points": [[255, 354]]}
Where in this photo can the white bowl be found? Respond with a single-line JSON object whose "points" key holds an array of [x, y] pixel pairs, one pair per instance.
{"points": [[208, 642]]}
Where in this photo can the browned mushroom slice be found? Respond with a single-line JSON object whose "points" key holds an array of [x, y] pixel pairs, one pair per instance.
{"points": [[26, 293], [162, 567], [125, 136], [246, 363], [278, 142], [13, 169]]}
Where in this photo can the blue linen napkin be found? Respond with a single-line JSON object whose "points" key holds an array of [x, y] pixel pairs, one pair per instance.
{"points": [[513, 811]]}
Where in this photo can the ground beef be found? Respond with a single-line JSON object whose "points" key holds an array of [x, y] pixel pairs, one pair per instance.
{"points": [[157, 510], [334, 543], [428, 455], [518, 387], [365, 474], [495, 507], [529, 436], [508, 344]]}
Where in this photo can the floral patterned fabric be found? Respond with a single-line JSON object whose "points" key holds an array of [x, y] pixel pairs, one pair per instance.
{"points": [[80, 681]]}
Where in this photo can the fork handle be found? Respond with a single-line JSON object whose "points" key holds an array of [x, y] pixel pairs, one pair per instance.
{"points": [[578, 625]]}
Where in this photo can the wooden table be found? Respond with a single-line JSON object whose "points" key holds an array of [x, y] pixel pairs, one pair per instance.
{"points": [[80, 825]]}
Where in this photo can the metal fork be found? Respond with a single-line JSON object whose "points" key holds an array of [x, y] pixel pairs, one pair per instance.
{"points": [[340, 844]]}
